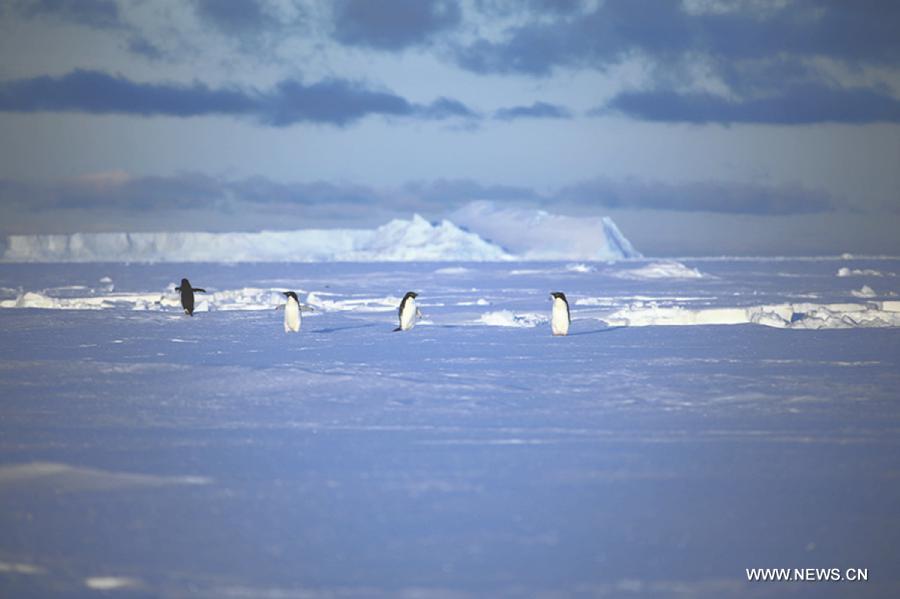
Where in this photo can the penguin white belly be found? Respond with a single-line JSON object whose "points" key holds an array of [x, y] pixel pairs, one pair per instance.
{"points": [[291, 316], [408, 316], [559, 319]]}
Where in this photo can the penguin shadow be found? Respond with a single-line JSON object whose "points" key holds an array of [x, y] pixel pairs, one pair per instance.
{"points": [[595, 331], [345, 328]]}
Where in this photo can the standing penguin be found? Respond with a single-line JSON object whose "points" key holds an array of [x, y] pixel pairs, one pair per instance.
{"points": [[292, 318], [408, 311], [560, 318], [187, 296]]}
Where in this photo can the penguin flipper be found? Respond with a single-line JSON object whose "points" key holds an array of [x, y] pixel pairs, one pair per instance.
{"points": [[196, 289], [178, 288]]}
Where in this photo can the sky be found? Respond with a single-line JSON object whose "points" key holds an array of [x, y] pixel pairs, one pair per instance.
{"points": [[702, 127]]}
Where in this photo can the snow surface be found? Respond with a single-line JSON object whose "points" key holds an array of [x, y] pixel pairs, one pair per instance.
{"points": [[622, 310], [523, 234], [147, 453]]}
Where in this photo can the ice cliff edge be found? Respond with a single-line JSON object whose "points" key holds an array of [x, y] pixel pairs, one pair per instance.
{"points": [[489, 235]]}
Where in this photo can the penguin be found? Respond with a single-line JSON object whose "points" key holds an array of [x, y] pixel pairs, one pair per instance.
{"points": [[560, 318], [408, 311], [292, 319], [187, 296]]}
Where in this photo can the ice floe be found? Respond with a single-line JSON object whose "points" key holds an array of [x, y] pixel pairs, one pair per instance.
{"points": [[659, 270], [864, 291], [479, 302], [583, 268], [62, 477], [452, 270], [784, 316], [111, 583], [506, 318], [858, 272]]}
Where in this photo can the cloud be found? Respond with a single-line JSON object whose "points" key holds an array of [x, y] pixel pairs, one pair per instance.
{"points": [[798, 105], [443, 108], [668, 31], [456, 192], [100, 93], [538, 110], [120, 193], [332, 101], [771, 59], [392, 24], [234, 17], [261, 190], [506, 7], [95, 14], [116, 189], [595, 39], [98, 14], [141, 46], [702, 196]]}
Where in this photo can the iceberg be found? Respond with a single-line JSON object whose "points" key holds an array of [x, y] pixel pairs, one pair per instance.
{"points": [[538, 235], [523, 235], [396, 241]]}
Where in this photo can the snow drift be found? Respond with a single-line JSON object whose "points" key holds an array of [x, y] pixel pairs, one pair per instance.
{"points": [[542, 237]]}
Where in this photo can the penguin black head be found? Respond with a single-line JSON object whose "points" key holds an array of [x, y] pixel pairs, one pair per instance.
{"points": [[411, 294], [559, 295], [185, 283], [291, 294]]}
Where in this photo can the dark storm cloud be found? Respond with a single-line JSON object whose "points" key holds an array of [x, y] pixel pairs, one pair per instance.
{"points": [[538, 110], [706, 196], [335, 101], [392, 24], [99, 14], [800, 105]]}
